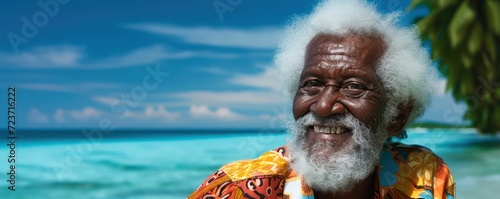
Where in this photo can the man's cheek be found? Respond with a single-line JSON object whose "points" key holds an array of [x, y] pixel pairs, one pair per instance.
{"points": [[301, 106]]}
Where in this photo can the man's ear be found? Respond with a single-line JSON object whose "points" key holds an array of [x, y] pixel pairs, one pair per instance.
{"points": [[398, 123]]}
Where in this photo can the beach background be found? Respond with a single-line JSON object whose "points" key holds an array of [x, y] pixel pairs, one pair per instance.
{"points": [[171, 164], [144, 99]]}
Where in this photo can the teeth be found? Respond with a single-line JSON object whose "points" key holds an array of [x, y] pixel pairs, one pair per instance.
{"points": [[326, 129]]}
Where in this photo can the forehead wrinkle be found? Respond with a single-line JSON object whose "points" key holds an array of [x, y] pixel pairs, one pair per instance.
{"points": [[360, 47], [333, 47], [339, 69], [327, 65], [342, 69], [343, 55], [332, 58], [339, 58]]}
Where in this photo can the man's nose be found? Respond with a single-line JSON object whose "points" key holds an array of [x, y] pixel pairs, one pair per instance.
{"points": [[327, 103]]}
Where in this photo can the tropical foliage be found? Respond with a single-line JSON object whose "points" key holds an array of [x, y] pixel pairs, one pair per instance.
{"points": [[465, 40]]}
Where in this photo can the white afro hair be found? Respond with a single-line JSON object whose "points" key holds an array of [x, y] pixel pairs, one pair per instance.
{"points": [[405, 68]]}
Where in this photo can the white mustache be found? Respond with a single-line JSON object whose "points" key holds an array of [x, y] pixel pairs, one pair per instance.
{"points": [[311, 119]]}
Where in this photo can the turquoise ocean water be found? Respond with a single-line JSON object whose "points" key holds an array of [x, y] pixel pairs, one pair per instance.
{"points": [[142, 165]]}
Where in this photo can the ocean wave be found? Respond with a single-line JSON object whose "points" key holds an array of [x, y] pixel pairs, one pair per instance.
{"points": [[121, 166]]}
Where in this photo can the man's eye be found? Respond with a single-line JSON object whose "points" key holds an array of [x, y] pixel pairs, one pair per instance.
{"points": [[312, 83], [355, 86], [353, 90]]}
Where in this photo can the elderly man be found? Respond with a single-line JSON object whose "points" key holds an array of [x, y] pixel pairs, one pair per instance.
{"points": [[356, 80]]}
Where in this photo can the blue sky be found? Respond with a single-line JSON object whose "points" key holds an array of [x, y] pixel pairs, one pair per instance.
{"points": [[154, 64]]}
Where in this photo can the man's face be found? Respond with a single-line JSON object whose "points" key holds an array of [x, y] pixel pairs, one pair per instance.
{"points": [[339, 78]]}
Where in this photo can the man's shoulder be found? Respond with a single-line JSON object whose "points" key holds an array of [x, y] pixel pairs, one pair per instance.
{"points": [[271, 163], [405, 152], [414, 171], [263, 175]]}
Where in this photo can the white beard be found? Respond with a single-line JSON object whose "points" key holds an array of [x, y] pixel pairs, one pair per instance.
{"points": [[349, 163]]}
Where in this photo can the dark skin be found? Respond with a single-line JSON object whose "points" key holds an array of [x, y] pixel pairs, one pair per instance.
{"points": [[339, 77]]}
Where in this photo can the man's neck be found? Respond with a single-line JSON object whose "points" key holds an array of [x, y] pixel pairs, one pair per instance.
{"points": [[362, 190]]}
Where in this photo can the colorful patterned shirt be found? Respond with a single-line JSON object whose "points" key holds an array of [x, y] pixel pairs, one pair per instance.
{"points": [[404, 172]]}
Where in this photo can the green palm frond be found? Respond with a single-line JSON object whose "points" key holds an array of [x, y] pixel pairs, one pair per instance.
{"points": [[465, 40]]}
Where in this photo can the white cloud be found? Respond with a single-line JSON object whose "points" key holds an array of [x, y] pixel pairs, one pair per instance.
{"points": [[96, 85], [36, 116], [84, 114], [68, 56], [89, 113], [68, 88], [140, 56], [105, 100], [265, 117], [279, 117], [221, 112], [212, 70], [59, 115], [155, 53], [215, 98], [268, 79], [254, 38], [63, 56], [444, 109], [250, 99], [150, 112], [47, 87]]}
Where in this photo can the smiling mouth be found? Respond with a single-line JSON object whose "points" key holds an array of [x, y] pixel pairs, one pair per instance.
{"points": [[330, 129]]}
